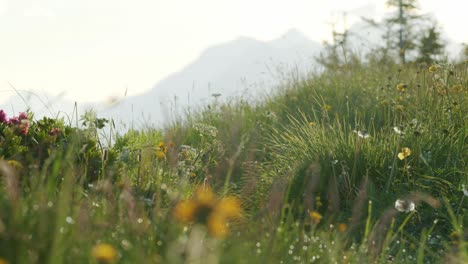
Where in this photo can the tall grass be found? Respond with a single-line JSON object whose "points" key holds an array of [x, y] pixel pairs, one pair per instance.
{"points": [[317, 168]]}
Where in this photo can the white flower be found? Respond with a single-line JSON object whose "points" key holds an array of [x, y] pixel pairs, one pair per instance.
{"points": [[465, 191], [397, 130], [404, 205], [362, 134]]}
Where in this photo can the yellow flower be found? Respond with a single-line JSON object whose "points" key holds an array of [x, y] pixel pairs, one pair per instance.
{"points": [[312, 124], [342, 227], [3, 261], [315, 216], [229, 207], [160, 155], [326, 107], [204, 195], [205, 208], [405, 152], [185, 211], [104, 253], [217, 226], [432, 69], [401, 87], [161, 145]]}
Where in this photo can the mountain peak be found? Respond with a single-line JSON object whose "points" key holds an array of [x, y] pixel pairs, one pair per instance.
{"points": [[293, 35]]}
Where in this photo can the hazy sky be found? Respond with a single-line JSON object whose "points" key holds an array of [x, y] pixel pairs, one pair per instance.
{"points": [[94, 49]]}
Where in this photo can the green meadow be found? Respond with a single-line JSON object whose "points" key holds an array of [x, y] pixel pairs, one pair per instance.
{"points": [[363, 162]]}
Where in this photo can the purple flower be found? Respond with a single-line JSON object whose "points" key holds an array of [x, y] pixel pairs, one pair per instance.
{"points": [[3, 117]]}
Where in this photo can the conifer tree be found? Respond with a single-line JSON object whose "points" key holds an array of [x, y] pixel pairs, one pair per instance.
{"points": [[431, 47]]}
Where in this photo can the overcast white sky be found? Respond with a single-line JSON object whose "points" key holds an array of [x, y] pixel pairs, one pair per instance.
{"points": [[93, 49]]}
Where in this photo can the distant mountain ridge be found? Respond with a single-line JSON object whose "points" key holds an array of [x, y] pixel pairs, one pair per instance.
{"points": [[242, 67]]}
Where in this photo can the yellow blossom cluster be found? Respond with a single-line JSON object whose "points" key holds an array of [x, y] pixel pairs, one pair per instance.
{"points": [[207, 209], [405, 152]]}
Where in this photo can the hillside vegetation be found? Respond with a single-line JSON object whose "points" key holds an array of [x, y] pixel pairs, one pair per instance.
{"points": [[361, 163]]}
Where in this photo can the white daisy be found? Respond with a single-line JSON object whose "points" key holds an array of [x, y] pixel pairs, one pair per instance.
{"points": [[404, 205]]}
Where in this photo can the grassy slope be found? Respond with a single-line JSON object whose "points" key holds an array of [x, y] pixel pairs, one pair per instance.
{"points": [[291, 154]]}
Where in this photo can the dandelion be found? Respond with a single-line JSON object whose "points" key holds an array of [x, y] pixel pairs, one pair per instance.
{"points": [[401, 87], [432, 69], [315, 216], [205, 208], [404, 205], [405, 152], [104, 253], [217, 226], [326, 107]]}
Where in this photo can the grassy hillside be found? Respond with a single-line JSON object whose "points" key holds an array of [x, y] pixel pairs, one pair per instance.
{"points": [[363, 162]]}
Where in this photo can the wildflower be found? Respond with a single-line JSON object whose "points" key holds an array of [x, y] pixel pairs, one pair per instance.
{"points": [[3, 261], [465, 191], [315, 216], [23, 116], [326, 107], [185, 211], [161, 145], [404, 205], [398, 130], [205, 208], [217, 226], [342, 227], [432, 69], [160, 155], [229, 207], [3, 117], [55, 132], [14, 121], [312, 124], [362, 134], [21, 122], [104, 253], [405, 152], [401, 87]]}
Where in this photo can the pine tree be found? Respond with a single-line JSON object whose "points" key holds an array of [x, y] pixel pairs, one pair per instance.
{"points": [[430, 47], [401, 25]]}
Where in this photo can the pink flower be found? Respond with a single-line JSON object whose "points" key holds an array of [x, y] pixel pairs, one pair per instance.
{"points": [[3, 117], [24, 126], [14, 121], [23, 116], [55, 132]]}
